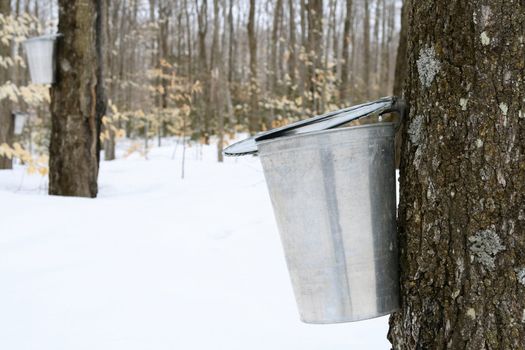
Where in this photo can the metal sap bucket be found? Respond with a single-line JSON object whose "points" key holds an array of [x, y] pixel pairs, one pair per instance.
{"points": [[20, 121], [41, 58], [334, 198]]}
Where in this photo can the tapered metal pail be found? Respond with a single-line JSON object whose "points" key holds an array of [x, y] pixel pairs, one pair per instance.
{"points": [[334, 197], [41, 58], [20, 122]]}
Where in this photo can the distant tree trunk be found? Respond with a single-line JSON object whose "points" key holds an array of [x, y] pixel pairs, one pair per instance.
{"points": [[252, 45], [377, 55], [77, 100], [335, 43], [6, 118], [109, 142], [275, 42], [165, 60], [401, 59], [231, 46], [292, 58], [188, 41], [366, 50], [315, 42], [215, 83], [303, 54], [462, 199], [400, 73], [389, 13], [203, 73], [345, 68]]}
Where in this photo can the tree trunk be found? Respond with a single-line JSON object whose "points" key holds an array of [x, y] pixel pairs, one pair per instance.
{"points": [[462, 211], [275, 42], [252, 45], [314, 48], [344, 88], [401, 59], [77, 101], [6, 118], [375, 62], [400, 74], [292, 61], [366, 50], [203, 73], [109, 142], [231, 44], [216, 79]]}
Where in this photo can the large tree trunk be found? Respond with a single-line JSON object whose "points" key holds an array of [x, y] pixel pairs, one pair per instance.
{"points": [[462, 201], [77, 101], [6, 118]]}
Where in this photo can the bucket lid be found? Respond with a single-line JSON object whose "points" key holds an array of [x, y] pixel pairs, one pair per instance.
{"points": [[318, 123]]}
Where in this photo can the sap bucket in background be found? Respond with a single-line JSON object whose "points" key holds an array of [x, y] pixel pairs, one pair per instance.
{"points": [[333, 192], [41, 53]]}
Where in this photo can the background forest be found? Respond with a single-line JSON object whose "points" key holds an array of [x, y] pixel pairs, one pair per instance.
{"points": [[155, 262], [204, 70]]}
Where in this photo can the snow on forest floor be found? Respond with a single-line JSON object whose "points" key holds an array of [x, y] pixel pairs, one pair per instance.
{"points": [[154, 263]]}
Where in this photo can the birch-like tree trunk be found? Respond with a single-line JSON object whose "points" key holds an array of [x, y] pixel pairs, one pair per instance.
{"points": [[462, 200], [77, 101]]}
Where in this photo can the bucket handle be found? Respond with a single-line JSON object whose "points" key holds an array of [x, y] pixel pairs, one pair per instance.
{"points": [[398, 107]]}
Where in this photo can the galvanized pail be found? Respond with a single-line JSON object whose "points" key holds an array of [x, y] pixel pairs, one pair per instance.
{"points": [[41, 58], [334, 197], [20, 122]]}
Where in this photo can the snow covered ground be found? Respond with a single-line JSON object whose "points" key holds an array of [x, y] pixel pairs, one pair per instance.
{"points": [[154, 263]]}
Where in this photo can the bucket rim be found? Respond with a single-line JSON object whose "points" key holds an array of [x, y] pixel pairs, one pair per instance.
{"points": [[320, 132], [47, 37]]}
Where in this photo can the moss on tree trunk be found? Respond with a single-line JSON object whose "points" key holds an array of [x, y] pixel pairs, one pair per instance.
{"points": [[462, 205]]}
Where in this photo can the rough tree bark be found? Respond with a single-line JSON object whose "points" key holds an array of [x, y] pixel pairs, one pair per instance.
{"points": [[6, 118], [462, 200], [77, 100]]}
